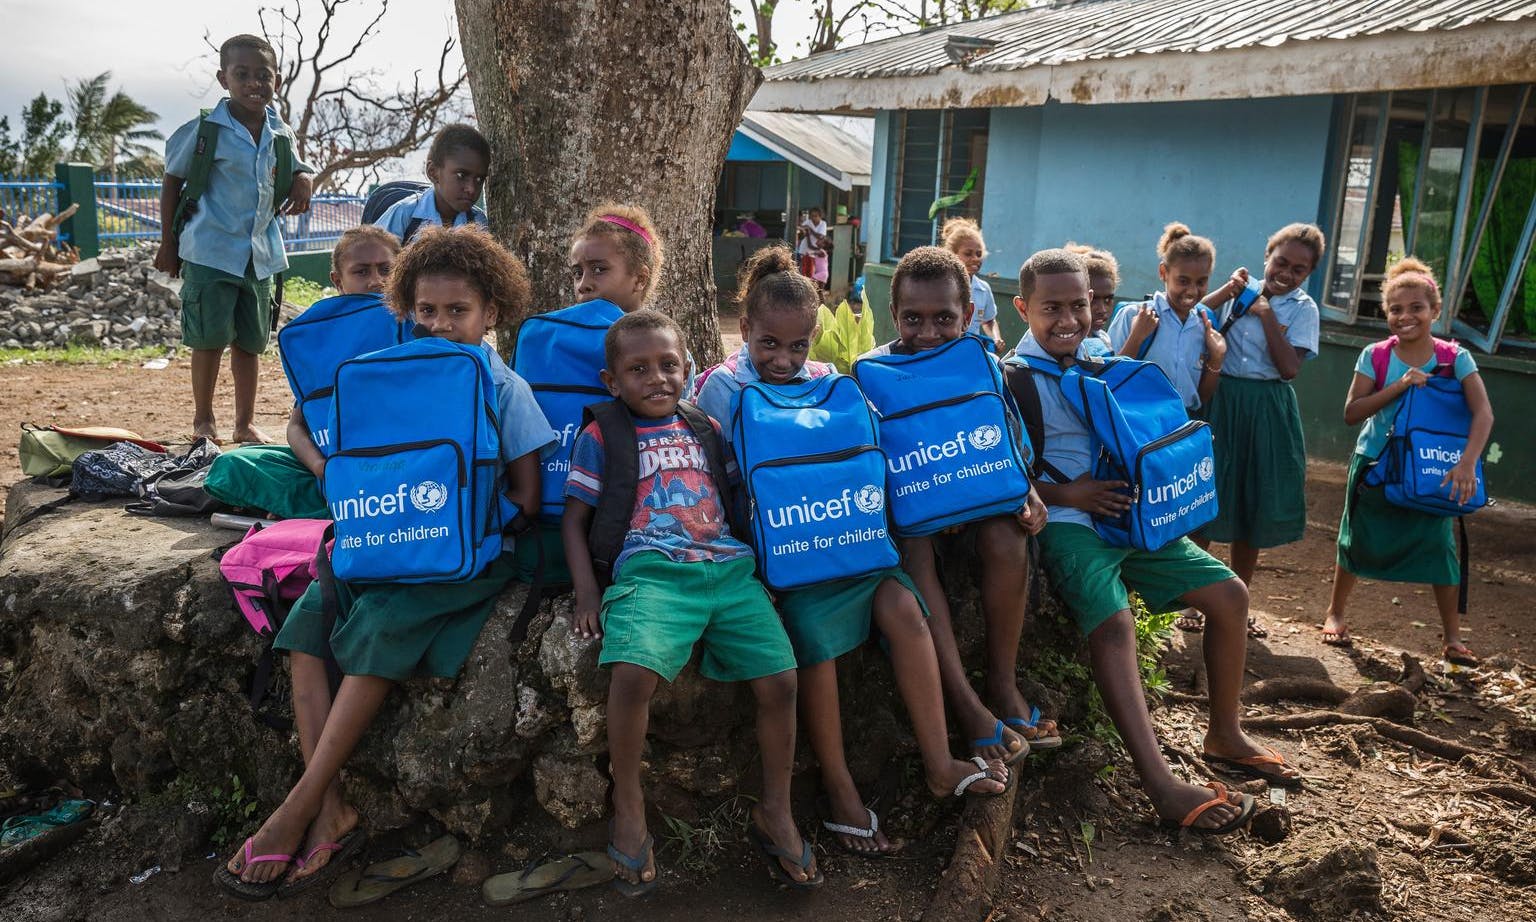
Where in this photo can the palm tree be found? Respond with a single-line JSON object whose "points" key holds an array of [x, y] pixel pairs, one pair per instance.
{"points": [[110, 129]]}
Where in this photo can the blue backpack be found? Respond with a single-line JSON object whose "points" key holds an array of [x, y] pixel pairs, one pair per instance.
{"points": [[814, 473], [315, 343], [412, 481], [1141, 435], [951, 435], [560, 354]]}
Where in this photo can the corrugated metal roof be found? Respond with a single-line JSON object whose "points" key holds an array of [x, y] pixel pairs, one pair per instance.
{"points": [[814, 142], [1099, 30]]}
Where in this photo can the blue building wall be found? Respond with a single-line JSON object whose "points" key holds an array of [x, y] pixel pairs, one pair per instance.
{"points": [[879, 192], [1113, 175]]}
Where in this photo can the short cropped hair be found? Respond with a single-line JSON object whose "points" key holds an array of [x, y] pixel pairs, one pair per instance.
{"points": [[1308, 235], [927, 264], [1048, 262], [643, 320], [250, 43], [468, 252], [453, 138]]}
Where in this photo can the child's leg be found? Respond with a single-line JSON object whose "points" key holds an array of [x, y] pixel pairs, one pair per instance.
{"points": [[1004, 549], [245, 367], [1450, 618], [311, 707], [356, 704], [976, 721], [776, 740], [1112, 649], [820, 714], [629, 712], [1245, 560], [205, 375], [1336, 626]]}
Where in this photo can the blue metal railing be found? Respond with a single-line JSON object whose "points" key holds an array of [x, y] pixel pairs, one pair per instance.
{"points": [[327, 218], [28, 195], [127, 211]]}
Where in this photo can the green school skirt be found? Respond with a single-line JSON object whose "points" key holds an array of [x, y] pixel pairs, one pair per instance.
{"points": [[398, 631], [1261, 463], [829, 619], [268, 478], [1379, 540]]}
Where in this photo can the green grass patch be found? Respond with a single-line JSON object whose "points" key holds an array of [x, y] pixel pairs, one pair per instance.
{"points": [[303, 292], [76, 354]]}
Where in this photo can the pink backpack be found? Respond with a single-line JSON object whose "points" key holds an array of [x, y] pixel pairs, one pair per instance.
{"points": [[270, 568], [1381, 358]]}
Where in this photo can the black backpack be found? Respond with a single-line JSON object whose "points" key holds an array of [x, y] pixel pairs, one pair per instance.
{"points": [[382, 197]]}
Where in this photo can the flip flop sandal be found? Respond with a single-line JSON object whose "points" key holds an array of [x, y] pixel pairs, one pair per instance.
{"points": [[19, 829], [639, 887], [772, 853], [1462, 657], [858, 832], [243, 889], [1337, 638], [342, 853], [43, 843], [983, 772], [1191, 621], [1033, 723], [996, 739], [370, 884], [1253, 767], [1219, 797], [1255, 629], [573, 872]]}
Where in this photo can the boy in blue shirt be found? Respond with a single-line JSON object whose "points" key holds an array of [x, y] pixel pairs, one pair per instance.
{"points": [[649, 499], [457, 164], [1092, 577], [232, 245]]}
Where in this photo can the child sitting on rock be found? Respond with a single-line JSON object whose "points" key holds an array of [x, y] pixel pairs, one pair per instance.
{"points": [[649, 501]]}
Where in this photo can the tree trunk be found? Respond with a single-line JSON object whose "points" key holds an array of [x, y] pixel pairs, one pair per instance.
{"points": [[585, 102]]}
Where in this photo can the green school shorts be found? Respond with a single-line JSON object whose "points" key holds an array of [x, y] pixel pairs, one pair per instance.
{"points": [[219, 309], [1092, 577], [829, 619], [659, 609], [268, 478]]}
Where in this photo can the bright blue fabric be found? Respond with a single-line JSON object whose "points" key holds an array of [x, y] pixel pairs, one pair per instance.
{"points": [[1248, 347], [1373, 432], [423, 205], [1068, 445], [1178, 346], [235, 223], [1428, 437], [725, 381]]}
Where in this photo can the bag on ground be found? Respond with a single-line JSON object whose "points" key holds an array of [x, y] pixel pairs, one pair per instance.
{"points": [[49, 451], [122, 467]]}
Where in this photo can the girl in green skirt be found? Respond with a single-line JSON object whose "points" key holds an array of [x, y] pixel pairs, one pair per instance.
{"points": [[1379, 540], [455, 283], [825, 621]]}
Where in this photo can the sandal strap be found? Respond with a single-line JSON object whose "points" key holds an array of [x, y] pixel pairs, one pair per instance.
{"points": [[1219, 797], [630, 861], [261, 859], [855, 831], [984, 772]]}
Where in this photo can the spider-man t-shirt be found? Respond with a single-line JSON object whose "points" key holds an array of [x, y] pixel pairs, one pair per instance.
{"points": [[677, 510]]}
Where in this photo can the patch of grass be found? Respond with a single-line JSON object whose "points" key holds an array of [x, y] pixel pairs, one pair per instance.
{"points": [[303, 292], [234, 807], [76, 354], [698, 847]]}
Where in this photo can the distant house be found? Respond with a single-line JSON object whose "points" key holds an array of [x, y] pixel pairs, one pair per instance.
{"points": [[1396, 125]]}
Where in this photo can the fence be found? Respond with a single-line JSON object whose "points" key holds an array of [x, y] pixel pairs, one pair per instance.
{"points": [[28, 195]]}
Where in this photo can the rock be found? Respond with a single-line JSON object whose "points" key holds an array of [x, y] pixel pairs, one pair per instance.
{"points": [[573, 791], [1320, 879], [472, 868], [1271, 824], [112, 260]]}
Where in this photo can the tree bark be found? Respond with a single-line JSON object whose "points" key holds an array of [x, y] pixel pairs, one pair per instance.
{"points": [[589, 101]]}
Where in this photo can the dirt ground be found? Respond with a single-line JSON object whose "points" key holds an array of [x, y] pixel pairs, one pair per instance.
{"points": [[1444, 837]]}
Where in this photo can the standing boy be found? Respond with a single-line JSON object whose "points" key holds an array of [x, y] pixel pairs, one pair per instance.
{"points": [[228, 174]]}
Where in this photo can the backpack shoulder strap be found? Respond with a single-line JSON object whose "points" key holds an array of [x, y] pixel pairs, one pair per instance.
{"points": [[714, 453], [1020, 381], [196, 182], [621, 473], [1381, 358], [282, 177], [1445, 357], [411, 229]]}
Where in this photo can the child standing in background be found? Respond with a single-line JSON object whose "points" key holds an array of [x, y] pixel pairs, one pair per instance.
{"points": [[1173, 330], [1103, 280], [962, 237], [1379, 540], [230, 248], [812, 248], [457, 164]]}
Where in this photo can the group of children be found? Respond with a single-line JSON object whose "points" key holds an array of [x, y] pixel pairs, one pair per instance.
{"points": [[655, 530]]}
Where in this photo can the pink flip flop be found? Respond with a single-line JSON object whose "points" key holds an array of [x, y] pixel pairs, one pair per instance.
{"points": [[249, 891], [343, 852]]}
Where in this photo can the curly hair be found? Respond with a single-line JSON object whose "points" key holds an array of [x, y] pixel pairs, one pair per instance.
{"points": [[770, 281], [454, 138], [469, 253], [957, 229], [641, 321], [1179, 243], [1308, 235], [1099, 262], [367, 233], [643, 252], [927, 264], [1411, 272], [1049, 262]]}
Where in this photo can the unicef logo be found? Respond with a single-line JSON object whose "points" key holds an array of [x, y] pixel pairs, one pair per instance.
{"points": [[1206, 469], [870, 499], [985, 438], [429, 496]]}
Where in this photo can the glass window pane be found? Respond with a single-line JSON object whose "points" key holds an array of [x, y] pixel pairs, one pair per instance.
{"points": [[1512, 198], [1339, 291]]}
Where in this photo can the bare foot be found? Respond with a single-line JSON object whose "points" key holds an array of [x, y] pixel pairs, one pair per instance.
{"points": [[628, 835], [1178, 799], [846, 808], [943, 785], [205, 429], [279, 835], [1335, 630], [333, 823], [250, 434], [779, 826]]}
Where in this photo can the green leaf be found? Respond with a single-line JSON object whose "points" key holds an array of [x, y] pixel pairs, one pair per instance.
{"points": [[954, 198], [842, 336]]}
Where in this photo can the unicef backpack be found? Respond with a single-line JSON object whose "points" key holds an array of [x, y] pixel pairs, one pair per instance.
{"points": [[315, 343], [950, 432], [560, 354], [811, 462], [1142, 435], [412, 478]]}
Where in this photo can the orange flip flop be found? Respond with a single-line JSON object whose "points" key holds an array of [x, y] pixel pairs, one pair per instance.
{"points": [[1218, 797], [1254, 767]]}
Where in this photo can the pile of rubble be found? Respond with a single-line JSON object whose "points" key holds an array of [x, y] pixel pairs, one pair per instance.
{"points": [[115, 300]]}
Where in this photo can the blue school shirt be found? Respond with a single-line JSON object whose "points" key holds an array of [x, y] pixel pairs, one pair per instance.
{"points": [[235, 224], [1373, 432], [1178, 348], [1067, 445], [1097, 345], [519, 421], [985, 305], [1247, 346], [397, 217], [718, 395]]}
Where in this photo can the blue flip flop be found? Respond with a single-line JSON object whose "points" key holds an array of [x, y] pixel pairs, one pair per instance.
{"points": [[772, 853], [996, 739], [1033, 723], [630, 888]]}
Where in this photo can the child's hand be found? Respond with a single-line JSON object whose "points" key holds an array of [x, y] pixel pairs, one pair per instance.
{"points": [[167, 260], [1034, 515], [1145, 322], [1462, 478], [1413, 377], [1097, 497], [584, 620], [1260, 308], [298, 195], [1215, 344], [1235, 284]]}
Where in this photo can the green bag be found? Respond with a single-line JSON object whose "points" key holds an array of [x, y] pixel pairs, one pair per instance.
{"points": [[50, 451], [267, 478]]}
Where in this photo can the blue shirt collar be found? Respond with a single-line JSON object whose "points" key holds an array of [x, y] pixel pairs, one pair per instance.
{"points": [[1028, 345], [746, 372], [221, 116]]}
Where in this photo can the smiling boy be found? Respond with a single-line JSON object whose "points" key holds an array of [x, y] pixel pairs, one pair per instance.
{"points": [[227, 244]]}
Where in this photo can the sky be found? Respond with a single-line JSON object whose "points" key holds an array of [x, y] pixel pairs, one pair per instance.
{"points": [[155, 48]]}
